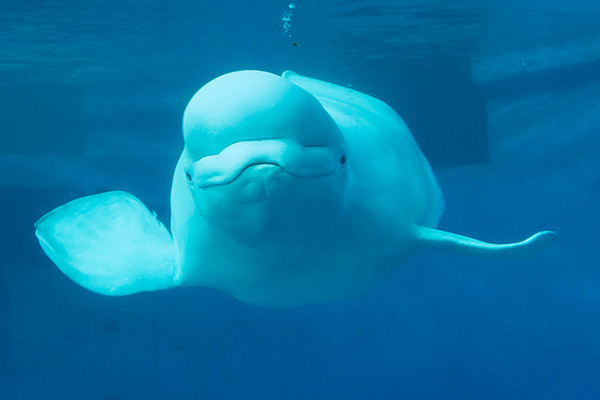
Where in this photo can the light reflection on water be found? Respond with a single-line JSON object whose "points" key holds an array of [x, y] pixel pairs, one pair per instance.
{"points": [[100, 40]]}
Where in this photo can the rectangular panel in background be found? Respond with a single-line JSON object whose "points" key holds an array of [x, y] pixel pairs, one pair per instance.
{"points": [[436, 96]]}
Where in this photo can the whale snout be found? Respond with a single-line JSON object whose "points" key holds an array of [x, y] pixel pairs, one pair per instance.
{"points": [[295, 159]]}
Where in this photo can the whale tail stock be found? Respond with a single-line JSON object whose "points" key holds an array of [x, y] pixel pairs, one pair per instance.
{"points": [[436, 239], [109, 243]]}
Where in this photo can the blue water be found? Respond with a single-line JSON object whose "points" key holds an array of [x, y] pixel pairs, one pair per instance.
{"points": [[504, 99]]}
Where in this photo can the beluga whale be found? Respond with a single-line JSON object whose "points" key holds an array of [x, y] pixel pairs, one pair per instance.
{"points": [[289, 191]]}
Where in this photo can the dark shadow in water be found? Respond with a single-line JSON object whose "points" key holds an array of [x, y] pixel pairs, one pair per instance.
{"points": [[110, 326]]}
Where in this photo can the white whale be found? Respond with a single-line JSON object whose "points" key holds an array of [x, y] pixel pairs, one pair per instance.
{"points": [[289, 191]]}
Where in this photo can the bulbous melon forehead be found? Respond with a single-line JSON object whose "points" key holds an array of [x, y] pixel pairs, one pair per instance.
{"points": [[254, 105]]}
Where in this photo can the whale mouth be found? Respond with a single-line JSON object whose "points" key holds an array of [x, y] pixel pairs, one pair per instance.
{"points": [[297, 160]]}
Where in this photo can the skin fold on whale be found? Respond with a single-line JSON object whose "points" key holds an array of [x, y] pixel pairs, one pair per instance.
{"points": [[289, 191]]}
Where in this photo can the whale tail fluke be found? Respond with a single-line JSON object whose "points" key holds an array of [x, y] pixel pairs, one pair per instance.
{"points": [[451, 242], [109, 243]]}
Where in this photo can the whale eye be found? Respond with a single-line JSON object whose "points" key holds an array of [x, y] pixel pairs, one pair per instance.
{"points": [[188, 177], [343, 160]]}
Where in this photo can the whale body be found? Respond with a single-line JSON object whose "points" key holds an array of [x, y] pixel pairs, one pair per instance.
{"points": [[289, 191]]}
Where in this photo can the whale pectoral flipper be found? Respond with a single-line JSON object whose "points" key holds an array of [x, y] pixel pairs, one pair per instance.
{"points": [[109, 243], [441, 240]]}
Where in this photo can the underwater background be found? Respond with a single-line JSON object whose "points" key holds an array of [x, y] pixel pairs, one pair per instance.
{"points": [[503, 98]]}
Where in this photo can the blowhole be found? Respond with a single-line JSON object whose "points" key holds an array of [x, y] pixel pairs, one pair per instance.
{"points": [[343, 160]]}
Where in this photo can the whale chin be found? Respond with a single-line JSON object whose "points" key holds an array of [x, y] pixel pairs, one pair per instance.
{"points": [[267, 204]]}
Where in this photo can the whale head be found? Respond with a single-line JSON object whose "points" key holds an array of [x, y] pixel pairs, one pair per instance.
{"points": [[264, 160]]}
